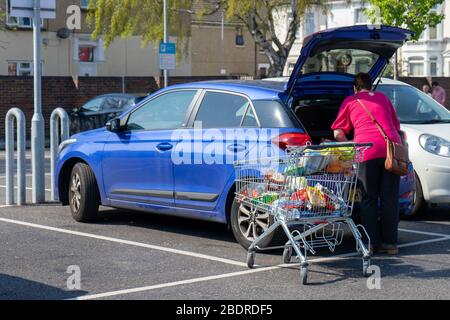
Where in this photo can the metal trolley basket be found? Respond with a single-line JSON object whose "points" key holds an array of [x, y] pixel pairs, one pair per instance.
{"points": [[310, 193]]}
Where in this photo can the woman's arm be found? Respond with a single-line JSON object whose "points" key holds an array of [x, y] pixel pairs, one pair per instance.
{"points": [[339, 135]]}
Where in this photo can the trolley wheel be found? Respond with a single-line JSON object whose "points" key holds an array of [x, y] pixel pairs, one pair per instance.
{"points": [[287, 254], [251, 259], [366, 265], [304, 274]]}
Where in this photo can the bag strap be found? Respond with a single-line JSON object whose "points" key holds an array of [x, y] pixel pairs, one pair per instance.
{"points": [[383, 133]]}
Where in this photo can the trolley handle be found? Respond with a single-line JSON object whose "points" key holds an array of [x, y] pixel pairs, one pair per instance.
{"points": [[326, 145]]}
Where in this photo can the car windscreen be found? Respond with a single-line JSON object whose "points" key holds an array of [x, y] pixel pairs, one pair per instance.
{"points": [[413, 106], [351, 61]]}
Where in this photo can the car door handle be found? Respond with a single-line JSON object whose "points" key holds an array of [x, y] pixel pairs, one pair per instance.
{"points": [[236, 147], [165, 146]]}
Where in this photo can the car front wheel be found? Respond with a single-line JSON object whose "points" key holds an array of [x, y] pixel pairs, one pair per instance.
{"points": [[83, 193], [419, 203], [248, 223]]}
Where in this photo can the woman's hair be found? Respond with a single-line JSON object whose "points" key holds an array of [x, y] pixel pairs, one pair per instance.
{"points": [[363, 82]]}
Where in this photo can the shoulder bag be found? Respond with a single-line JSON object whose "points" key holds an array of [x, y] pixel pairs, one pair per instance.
{"points": [[397, 157]]}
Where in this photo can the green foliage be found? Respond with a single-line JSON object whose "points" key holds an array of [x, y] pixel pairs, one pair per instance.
{"points": [[415, 15], [112, 18]]}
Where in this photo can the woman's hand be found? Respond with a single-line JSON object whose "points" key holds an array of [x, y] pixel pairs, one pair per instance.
{"points": [[339, 135]]}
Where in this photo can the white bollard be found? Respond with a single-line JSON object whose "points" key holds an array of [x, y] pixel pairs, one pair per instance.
{"points": [[15, 113], [61, 115]]}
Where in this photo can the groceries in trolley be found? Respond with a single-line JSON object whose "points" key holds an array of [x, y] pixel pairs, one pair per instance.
{"points": [[308, 184]]}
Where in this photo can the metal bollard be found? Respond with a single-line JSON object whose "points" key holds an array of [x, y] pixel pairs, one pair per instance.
{"points": [[9, 148], [61, 114]]}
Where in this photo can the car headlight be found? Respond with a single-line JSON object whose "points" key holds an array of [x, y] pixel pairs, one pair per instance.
{"points": [[65, 143], [435, 145]]}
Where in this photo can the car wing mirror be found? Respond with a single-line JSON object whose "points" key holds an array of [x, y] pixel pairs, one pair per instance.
{"points": [[114, 125]]}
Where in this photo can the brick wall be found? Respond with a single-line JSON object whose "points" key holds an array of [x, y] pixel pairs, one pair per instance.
{"points": [[419, 81], [62, 92]]}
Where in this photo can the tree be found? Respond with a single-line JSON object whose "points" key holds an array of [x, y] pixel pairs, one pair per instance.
{"points": [[112, 18], [416, 15]]}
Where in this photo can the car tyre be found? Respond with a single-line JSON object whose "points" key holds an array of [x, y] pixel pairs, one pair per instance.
{"points": [[239, 228], [84, 198], [419, 203]]}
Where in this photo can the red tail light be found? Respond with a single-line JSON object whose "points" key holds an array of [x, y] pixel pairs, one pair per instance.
{"points": [[291, 139]]}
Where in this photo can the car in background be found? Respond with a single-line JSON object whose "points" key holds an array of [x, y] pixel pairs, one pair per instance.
{"points": [[99, 110], [129, 163], [427, 126]]}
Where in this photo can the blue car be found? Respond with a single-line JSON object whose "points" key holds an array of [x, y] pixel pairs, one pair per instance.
{"points": [[173, 152]]}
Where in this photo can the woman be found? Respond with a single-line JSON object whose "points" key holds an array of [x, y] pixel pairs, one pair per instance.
{"points": [[377, 184]]}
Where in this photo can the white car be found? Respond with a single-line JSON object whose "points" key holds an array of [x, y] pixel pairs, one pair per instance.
{"points": [[427, 126]]}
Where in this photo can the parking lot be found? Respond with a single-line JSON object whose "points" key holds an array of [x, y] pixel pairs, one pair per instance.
{"points": [[129, 255]]}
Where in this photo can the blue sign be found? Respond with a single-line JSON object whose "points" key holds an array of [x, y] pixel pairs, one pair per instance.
{"points": [[167, 56], [167, 48]]}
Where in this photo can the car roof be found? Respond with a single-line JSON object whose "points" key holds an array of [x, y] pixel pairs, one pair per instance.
{"points": [[124, 95], [254, 89], [392, 81]]}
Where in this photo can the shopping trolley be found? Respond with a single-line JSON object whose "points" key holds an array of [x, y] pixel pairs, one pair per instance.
{"points": [[310, 193]]}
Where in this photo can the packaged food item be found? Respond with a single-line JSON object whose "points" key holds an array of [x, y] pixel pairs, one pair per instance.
{"points": [[300, 195], [316, 198], [295, 183]]}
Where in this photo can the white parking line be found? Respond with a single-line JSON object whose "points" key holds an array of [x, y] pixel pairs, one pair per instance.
{"points": [[235, 274], [425, 233], [173, 284], [127, 242]]}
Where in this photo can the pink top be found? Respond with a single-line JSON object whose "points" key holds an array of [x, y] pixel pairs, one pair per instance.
{"points": [[353, 116], [439, 95]]}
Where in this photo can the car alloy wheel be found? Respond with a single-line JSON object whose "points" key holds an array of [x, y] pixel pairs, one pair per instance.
{"points": [[75, 189], [252, 223]]}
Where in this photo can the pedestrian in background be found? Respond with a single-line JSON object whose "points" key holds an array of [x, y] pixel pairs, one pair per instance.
{"points": [[377, 184], [439, 93], [426, 89]]}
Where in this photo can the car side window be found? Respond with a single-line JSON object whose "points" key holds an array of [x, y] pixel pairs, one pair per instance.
{"points": [[167, 111], [221, 110], [250, 118], [93, 105]]}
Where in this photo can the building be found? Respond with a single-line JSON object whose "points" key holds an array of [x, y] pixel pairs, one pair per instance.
{"points": [[215, 47], [222, 47], [428, 57], [74, 53]]}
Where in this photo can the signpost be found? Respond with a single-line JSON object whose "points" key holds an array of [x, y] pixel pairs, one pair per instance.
{"points": [[167, 56], [36, 9]]}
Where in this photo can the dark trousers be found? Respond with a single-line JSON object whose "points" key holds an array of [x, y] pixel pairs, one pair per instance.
{"points": [[379, 186]]}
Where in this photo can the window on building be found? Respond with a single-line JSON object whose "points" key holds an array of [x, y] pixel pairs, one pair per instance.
{"points": [[310, 26], [18, 22], [86, 54], [433, 33], [416, 66], [20, 68], [239, 37], [360, 16], [433, 67]]}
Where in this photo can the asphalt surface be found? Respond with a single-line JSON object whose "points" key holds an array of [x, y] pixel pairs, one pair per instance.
{"points": [[129, 255]]}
